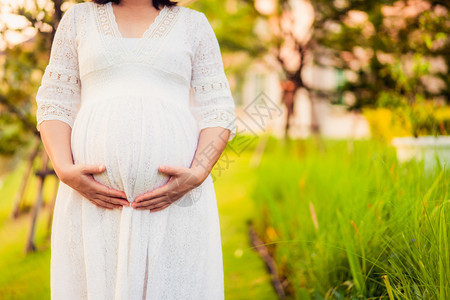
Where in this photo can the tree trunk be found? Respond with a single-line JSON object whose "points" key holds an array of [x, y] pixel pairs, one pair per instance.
{"points": [[51, 208], [30, 246], [315, 125], [288, 99], [23, 186]]}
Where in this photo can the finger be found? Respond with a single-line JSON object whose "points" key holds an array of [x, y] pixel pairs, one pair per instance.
{"points": [[155, 203], [99, 203], [160, 208], [108, 204], [103, 189], [93, 169], [93, 200], [151, 207], [152, 201], [158, 192], [171, 170], [162, 204], [116, 201]]}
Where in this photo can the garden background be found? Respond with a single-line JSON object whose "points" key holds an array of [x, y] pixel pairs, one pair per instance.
{"points": [[337, 184]]}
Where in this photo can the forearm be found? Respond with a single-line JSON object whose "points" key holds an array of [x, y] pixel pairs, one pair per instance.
{"points": [[56, 137], [211, 143]]}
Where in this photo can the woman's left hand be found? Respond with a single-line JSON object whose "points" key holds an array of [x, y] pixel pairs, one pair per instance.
{"points": [[182, 180]]}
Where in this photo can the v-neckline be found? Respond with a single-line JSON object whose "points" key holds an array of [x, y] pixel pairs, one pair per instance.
{"points": [[148, 32]]}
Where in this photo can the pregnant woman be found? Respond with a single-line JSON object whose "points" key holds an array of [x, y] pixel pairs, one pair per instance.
{"points": [[134, 110]]}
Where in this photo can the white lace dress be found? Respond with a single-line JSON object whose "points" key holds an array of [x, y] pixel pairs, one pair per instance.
{"points": [[132, 108]]}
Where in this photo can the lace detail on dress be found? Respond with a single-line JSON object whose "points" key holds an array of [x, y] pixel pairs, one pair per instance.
{"points": [[63, 76], [54, 111], [106, 25], [213, 102], [217, 116], [58, 97], [164, 26], [209, 86], [159, 29], [143, 51]]}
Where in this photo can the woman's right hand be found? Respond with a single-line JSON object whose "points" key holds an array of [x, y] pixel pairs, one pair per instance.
{"points": [[79, 177]]}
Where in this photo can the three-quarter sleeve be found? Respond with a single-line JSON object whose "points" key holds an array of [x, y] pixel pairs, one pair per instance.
{"points": [[213, 103], [58, 96]]}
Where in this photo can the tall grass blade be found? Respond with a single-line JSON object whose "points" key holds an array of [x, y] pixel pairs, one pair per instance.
{"points": [[388, 287], [353, 261]]}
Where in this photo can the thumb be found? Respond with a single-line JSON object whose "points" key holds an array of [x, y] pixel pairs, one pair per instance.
{"points": [[93, 169], [171, 170]]}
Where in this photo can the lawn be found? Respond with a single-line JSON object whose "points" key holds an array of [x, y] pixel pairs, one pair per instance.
{"points": [[345, 220]]}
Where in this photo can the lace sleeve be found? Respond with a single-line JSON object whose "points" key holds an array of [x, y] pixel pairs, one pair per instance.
{"points": [[213, 104], [58, 96]]}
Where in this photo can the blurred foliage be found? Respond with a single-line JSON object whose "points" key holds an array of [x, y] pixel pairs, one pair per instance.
{"points": [[389, 51], [385, 48], [400, 118], [398, 56], [233, 23], [383, 125], [411, 107], [22, 73], [16, 109]]}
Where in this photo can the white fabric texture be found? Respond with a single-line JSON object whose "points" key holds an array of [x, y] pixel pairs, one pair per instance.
{"points": [[131, 42], [133, 109]]}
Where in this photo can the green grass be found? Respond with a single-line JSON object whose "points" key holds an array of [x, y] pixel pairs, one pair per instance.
{"points": [[28, 276], [245, 276], [23, 276], [354, 224]]}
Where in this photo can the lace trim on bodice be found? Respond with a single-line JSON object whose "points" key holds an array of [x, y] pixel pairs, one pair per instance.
{"points": [[160, 28], [106, 25]]}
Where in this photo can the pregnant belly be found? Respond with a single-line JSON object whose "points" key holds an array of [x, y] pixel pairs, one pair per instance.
{"points": [[132, 136]]}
